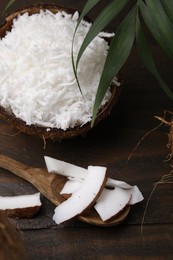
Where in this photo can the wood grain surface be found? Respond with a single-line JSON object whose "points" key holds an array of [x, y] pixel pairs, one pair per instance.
{"points": [[148, 236]]}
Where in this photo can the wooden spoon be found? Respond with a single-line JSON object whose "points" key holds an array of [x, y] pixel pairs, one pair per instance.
{"points": [[50, 185]]}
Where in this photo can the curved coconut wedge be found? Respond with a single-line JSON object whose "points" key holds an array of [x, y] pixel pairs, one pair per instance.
{"points": [[111, 183], [73, 172], [84, 197], [23, 206], [69, 188], [112, 202], [136, 195]]}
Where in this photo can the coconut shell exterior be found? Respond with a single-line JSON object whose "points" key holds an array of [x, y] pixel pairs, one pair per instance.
{"points": [[52, 133], [21, 212], [11, 244]]}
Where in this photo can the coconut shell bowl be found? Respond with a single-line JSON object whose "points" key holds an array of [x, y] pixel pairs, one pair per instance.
{"points": [[53, 132]]}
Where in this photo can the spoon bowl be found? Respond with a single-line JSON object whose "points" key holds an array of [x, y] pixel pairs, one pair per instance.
{"points": [[50, 185]]}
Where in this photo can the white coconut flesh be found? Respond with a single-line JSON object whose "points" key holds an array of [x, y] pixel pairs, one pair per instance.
{"points": [[84, 197], [70, 187], [111, 183], [20, 201], [111, 202], [37, 81], [136, 195], [77, 174], [69, 170]]}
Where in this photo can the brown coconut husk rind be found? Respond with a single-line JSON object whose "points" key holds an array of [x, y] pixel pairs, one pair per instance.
{"points": [[46, 132], [29, 212], [11, 244], [55, 133], [33, 10]]}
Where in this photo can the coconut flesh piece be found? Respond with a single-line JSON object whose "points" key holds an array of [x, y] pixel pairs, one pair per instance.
{"points": [[70, 187], [78, 174], [21, 205], [84, 197], [69, 170], [21, 201], [112, 202]]}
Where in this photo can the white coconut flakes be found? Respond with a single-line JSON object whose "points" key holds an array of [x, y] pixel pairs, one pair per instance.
{"points": [[37, 82]]}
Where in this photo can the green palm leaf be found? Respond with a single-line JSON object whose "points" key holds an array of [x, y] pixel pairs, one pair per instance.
{"points": [[168, 6], [105, 17], [146, 57], [10, 2], [88, 6], [159, 24], [118, 53]]}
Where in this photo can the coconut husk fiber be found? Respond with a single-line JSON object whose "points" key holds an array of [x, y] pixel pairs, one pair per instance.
{"points": [[11, 244]]}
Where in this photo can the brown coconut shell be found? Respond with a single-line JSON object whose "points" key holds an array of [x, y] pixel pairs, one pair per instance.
{"points": [[11, 244], [29, 212], [53, 133]]}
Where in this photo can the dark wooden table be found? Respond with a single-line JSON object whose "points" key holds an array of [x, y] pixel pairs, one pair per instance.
{"points": [[148, 236]]}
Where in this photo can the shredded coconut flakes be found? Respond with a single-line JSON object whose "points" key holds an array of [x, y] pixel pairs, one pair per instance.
{"points": [[37, 82]]}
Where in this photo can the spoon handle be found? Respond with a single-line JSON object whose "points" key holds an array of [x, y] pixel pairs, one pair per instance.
{"points": [[40, 178]]}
